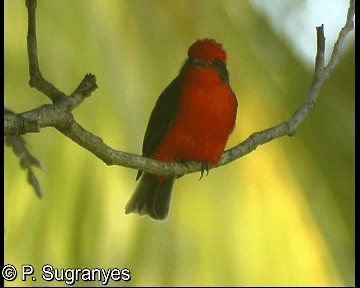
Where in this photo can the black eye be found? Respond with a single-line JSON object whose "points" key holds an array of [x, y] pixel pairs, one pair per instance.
{"points": [[200, 62], [221, 68], [216, 62]]}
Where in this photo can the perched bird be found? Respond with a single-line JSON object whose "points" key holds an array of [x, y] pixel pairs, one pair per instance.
{"points": [[191, 121]]}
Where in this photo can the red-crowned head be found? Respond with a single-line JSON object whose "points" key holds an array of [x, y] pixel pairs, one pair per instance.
{"points": [[207, 50]]}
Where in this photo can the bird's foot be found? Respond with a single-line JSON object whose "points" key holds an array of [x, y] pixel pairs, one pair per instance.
{"points": [[187, 163], [184, 163], [204, 167]]}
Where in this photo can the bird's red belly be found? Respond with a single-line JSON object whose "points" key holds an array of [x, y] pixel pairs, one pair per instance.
{"points": [[202, 125]]}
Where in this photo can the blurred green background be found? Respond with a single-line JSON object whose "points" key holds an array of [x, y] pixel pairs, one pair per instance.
{"points": [[282, 215]]}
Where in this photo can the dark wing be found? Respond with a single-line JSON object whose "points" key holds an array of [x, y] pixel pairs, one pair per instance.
{"points": [[161, 117]]}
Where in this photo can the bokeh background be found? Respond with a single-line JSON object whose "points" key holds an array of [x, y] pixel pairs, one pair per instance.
{"points": [[282, 215]]}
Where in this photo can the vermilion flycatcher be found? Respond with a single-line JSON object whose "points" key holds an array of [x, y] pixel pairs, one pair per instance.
{"points": [[192, 120]]}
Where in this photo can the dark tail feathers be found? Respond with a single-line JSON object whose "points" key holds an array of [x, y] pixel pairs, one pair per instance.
{"points": [[151, 197]]}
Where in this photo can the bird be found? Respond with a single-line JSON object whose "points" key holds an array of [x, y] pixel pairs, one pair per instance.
{"points": [[191, 121]]}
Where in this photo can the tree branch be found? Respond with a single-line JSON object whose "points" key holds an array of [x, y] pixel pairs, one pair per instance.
{"points": [[59, 115], [36, 79]]}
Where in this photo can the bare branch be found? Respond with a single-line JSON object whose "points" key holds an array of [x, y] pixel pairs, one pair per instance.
{"points": [[59, 114], [32, 121], [15, 124], [320, 52], [86, 87], [349, 25], [36, 79]]}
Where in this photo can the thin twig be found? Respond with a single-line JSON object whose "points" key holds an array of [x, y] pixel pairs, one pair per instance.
{"points": [[349, 25], [36, 79]]}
